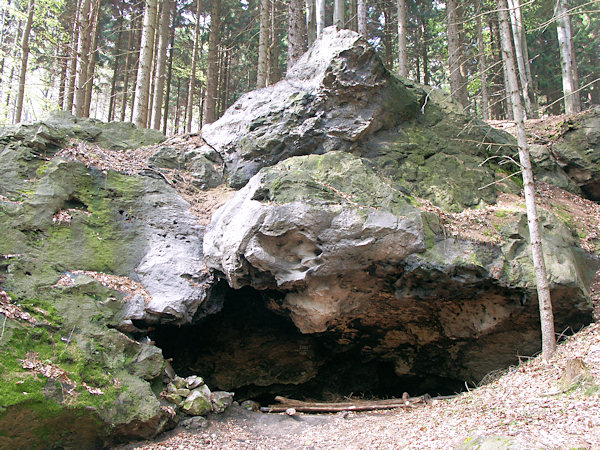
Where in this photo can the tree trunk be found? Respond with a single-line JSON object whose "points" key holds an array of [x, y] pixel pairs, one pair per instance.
{"points": [[153, 70], [68, 106], [517, 31], [320, 16], [210, 94], [543, 290], [565, 43], [161, 62], [276, 13], [457, 82], [89, 84], [482, 67], [387, 35], [124, 94], [361, 11], [140, 103], [402, 62], [338, 14], [192, 83], [83, 56], [296, 32], [170, 71], [263, 44], [177, 107], [113, 84], [24, 58], [424, 50], [311, 21]]}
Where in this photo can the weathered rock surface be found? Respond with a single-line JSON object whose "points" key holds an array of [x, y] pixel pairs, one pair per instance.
{"points": [[349, 252], [340, 241], [57, 219], [571, 160]]}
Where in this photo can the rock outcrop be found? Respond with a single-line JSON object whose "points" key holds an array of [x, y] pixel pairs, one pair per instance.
{"points": [[337, 252], [570, 157]]}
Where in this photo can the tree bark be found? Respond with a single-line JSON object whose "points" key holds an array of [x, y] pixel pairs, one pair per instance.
{"points": [[516, 21], [24, 58], [482, 67], [402, 61], [192, 83], [210, 94], [83, 56], [296, 32], [140, 103], [89, 84], [311, 21], [113, 84], [424, 50], [263, 44], [320, 16], [125, 93], [170, 71], [68, 106], [565, 43], [543, 290], [161, 62], [361, 11], [457, 82], [338, 14], [276, 13]]}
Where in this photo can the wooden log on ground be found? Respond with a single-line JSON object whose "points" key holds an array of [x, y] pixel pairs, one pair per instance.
{"points": [[356, 405]]}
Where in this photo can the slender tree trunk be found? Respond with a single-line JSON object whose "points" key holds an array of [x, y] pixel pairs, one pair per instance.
{"points": [[320, 16], [161, 62], [136, 68], [169, 73], [126, 70], [361, 11], [140, 103], [276, 13], [482, 67], [192, 83], [177, 107], [92, 62], [543, 289], [73, 63], [210, 94], [565, 43], [24, 58], [338, 14], [353, 20], [296, 32], [457, 82], [153, 70], [517, 32], [83, 56], [402, 60], [263, 43], [113, 84], [63, 79], [387, 35], [575, 74], [311, 21], [425, 50]]}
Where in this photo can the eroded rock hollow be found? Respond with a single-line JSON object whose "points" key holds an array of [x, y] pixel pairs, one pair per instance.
{"points": [[349, 178]]}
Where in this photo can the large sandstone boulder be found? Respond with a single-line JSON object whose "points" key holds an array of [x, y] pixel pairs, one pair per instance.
{"points": [[350, 238]]}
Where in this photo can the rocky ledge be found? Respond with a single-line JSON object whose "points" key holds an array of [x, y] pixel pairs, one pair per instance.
{"points": [[373, 229]]}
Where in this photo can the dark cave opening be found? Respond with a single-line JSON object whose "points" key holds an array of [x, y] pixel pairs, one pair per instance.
{"points": [[252, 351]]}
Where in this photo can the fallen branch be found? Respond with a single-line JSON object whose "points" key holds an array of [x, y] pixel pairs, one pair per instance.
{"points": [[357, 405]]}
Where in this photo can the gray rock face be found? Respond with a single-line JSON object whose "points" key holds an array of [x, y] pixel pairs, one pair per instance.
{"points": [[573, 161], [336, 94], [348, 252]]}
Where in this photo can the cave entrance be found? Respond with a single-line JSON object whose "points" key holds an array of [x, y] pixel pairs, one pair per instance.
{"points": [[250, 350]]}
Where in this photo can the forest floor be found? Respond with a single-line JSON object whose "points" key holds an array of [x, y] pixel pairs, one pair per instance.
{"points": [[531, 405]]}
